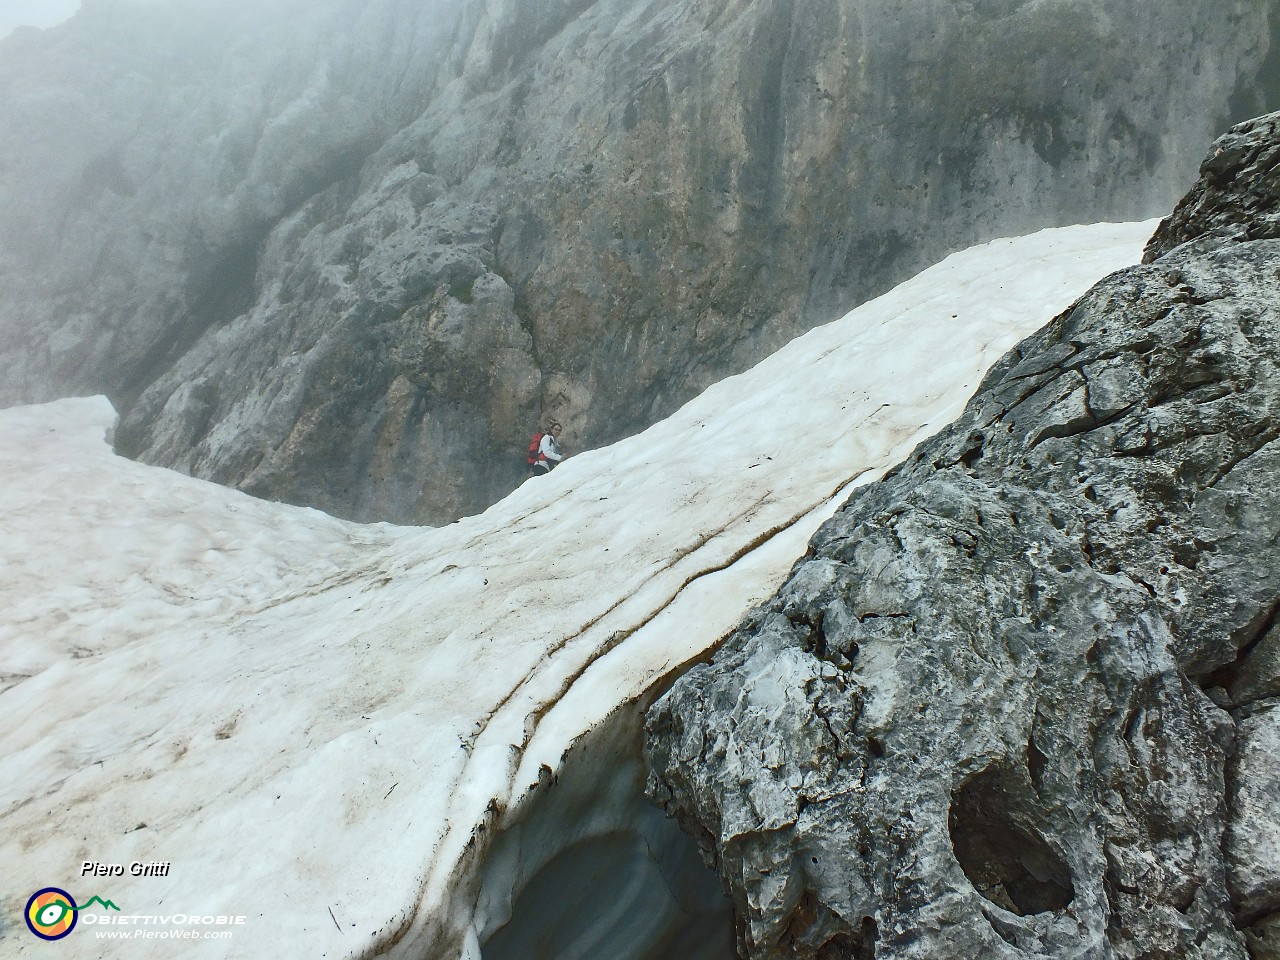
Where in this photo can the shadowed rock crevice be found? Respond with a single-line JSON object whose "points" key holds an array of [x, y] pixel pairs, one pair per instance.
{"points": [[844, 946], [1264, 938], [1005, 858], [812, 933], [1254, 674]]}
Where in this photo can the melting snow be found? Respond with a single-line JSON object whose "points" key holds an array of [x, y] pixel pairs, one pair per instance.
{"points": [[319, 725]]}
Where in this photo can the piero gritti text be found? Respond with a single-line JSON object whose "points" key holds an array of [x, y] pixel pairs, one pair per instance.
{"points": [[156, 868]]}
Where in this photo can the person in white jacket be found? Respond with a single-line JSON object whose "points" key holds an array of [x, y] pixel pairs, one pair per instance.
{"points": [[549, 450]]}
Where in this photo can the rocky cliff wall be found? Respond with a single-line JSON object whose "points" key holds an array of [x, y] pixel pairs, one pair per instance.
{"points": [[1022, 698], [347, 254]]}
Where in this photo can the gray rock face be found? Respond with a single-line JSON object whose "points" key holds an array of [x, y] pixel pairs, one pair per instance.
{"points": [[1018, 699], [1264, 939], [1236, 198], [1253, 842], [347, 253]]}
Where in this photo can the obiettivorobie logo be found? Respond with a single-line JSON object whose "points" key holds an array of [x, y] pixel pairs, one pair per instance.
{"points": [[51, 913]]}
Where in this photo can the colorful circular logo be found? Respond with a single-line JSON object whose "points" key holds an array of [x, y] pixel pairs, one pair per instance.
{"points": [[51, 913]]}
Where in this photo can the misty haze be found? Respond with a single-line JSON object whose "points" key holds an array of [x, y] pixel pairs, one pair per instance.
{"points": [[647, 480], [34, 13]]}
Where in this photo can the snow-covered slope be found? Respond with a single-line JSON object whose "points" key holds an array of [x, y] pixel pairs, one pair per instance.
{"points": [[321, 726]]}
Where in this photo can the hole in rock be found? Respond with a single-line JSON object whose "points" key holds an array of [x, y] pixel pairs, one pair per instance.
{"points": [[591, 870], [1001, 853], [845, 946]]}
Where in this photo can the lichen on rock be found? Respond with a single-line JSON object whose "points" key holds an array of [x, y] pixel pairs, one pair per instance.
{"points": [[1016, 699]]}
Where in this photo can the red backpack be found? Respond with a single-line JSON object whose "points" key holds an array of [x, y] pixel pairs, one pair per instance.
{"points": [[534, 444]]}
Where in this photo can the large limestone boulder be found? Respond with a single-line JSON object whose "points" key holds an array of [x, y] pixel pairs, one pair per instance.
{"points": [[1018, 699]]}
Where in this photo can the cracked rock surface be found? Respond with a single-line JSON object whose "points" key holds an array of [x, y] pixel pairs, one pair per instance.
{"points": [[1237, 196], [1019, 699], [348, 253]]}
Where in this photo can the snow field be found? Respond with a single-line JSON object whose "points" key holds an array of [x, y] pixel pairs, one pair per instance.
{"points": [[323, 725]]}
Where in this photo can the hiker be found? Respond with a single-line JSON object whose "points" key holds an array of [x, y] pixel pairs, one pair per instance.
{"points": [[544, 451]]}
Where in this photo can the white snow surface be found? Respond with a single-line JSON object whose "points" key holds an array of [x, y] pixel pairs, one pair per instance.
{"points": [[311, 719]]}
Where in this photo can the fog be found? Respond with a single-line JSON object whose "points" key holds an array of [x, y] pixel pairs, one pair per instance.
{"points": [[34, 13], [188, 185]]}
